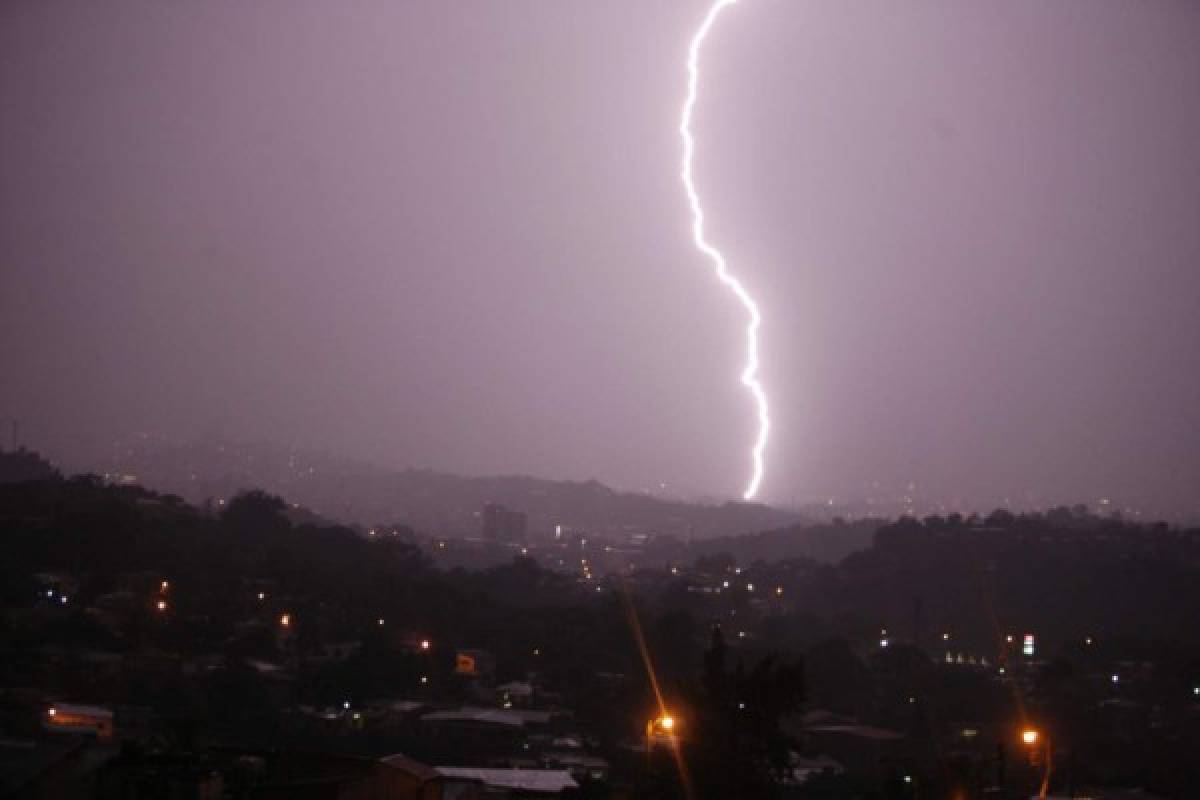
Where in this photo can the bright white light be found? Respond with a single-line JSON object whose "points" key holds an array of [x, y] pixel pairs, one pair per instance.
{"points": [[749, 376]]}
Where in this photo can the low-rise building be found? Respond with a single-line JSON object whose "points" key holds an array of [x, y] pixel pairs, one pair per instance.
{"points": [[509, 782], [70, 718]]}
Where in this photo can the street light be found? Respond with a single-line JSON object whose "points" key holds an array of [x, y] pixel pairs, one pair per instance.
{"points": [[659, 730], [661, 727], [1030, 737]]}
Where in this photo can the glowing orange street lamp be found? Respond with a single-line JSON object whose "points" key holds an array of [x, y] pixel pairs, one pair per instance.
{"points": [[1031, 738], [662, 727]]}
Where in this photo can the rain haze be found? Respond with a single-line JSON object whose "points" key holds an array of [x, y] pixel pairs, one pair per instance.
{"points": [[453, 235]]}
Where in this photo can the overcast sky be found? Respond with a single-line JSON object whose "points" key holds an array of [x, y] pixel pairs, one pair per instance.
{"points": [[452, 234]]}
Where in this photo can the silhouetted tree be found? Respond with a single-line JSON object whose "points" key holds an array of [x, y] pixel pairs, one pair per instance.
{"points": [[256, 511], [740, 748]]}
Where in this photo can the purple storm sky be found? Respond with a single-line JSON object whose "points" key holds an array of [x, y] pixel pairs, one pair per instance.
{"points": [[453, 235]]}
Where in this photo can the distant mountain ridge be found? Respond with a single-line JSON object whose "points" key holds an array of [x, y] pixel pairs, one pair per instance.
{"points": [[432, 502]]}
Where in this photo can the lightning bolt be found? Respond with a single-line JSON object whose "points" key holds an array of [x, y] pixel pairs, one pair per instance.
{"points": [[749, 375]]}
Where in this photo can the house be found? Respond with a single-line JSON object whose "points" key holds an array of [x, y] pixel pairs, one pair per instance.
{"points": [[474, 663], [514, 783], [472, 733], [88, 720], [805, 767], [301, 775], [399, 777], [860, 749], [582, 767], [515, 693]]}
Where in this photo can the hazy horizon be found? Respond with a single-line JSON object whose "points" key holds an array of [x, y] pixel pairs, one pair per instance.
{"points": [[453, 236], [127, 457]]}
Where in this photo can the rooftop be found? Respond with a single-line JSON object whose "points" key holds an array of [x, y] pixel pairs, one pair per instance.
{"points": [[526, 780]]}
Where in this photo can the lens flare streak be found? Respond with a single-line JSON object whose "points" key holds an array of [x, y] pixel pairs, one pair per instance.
{"points": [[749, 375]]}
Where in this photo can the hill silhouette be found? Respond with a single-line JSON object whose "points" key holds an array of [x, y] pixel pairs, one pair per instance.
{"points": [[356, 492]]}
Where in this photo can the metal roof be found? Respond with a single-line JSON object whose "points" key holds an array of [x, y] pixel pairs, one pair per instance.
{"points": [[526, 780]]}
